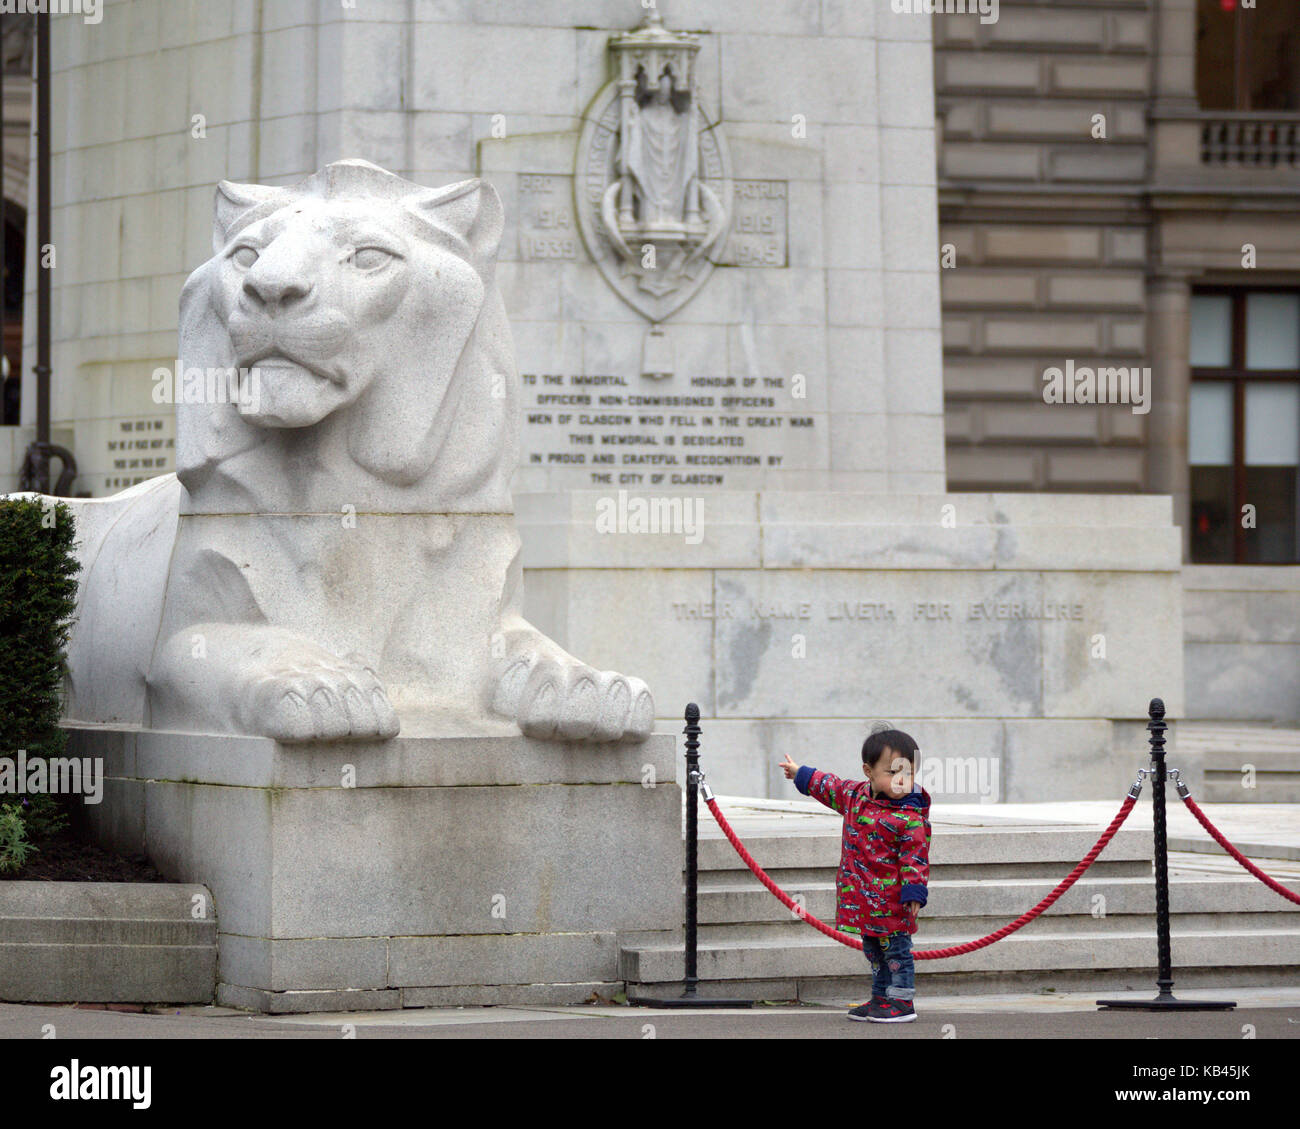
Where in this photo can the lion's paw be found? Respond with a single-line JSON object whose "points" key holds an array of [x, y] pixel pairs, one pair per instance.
{"points": [[573, 702], [321, 699]]}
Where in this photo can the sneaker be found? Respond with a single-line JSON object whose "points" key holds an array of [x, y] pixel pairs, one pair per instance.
{"points": [[891, 1011], [863, 1011]]}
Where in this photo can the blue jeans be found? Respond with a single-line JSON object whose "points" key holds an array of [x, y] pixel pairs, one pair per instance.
{"points": [[892, 968]]}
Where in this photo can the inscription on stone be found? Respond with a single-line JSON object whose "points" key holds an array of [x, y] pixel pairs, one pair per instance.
{"points": [[546, 225], [760, 220], [615, 431], [926, 611], [603, 428], [140, 449]]}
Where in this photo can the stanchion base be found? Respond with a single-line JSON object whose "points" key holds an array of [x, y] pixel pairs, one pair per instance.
{"points": [[1166, 1003], [686, 1001]]}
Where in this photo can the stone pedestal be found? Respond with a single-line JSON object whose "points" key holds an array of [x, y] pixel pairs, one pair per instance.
{"points": [[411, 872]]}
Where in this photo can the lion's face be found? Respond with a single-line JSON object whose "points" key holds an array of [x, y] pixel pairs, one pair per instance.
{"points": [[367, 307], [318, 298]]}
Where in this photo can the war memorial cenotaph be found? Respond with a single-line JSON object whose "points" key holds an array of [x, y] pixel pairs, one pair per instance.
{"points": [[661, 395]]}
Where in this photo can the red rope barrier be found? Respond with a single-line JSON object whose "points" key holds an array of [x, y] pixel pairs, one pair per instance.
{"points": [[927, 954], [1218, 838]]}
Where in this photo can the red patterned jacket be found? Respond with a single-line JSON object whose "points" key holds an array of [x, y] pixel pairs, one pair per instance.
{"points": [[884, 853]]}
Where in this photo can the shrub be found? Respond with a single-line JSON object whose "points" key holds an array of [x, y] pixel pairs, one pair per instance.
{"points": [[38, 593], [14, 845]]}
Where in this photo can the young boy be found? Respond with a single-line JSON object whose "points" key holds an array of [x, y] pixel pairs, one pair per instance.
{"points": [[884, 863]]}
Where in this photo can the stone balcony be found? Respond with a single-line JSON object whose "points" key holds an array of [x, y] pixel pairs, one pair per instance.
{"points": [[1204, 150]]}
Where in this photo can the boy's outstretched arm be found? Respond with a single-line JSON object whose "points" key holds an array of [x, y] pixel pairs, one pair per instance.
{"points": [[825, 787]]}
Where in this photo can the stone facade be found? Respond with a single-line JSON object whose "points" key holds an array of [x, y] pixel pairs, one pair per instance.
{"points": [[1048, 236], [826, 109]]}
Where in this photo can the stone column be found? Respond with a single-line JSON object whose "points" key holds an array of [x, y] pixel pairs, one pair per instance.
{"points": [[1175, 38], [1169, 314]]}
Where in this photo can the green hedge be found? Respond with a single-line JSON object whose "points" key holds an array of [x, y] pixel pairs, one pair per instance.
{"points": [[38, 593]]}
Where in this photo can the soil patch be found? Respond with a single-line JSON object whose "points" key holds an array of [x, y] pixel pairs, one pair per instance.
{"points": [[65, 858]]}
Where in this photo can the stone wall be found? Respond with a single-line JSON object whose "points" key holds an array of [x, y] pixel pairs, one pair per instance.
{"points": [[1014, 636], [831, 102], [1243, 642]]}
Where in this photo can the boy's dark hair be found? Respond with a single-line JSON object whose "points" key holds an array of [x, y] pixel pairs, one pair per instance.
{"points": [[873, 748]]}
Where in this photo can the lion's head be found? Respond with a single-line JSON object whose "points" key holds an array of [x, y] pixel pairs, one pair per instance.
{"points": [[364, 308]]}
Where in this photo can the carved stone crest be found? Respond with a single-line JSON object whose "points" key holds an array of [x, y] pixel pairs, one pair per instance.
{"points": [[653, 182]]}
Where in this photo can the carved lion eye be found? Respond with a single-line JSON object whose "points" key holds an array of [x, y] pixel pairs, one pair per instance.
{"points": [[370, 258], [244, 255]]}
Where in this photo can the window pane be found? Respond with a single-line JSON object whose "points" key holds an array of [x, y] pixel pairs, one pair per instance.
{"points": [[1215, 41], [1272, 424], [1273, 331], [1273, 46], [1211, 337], [1272, 491], [1261, 75], [1209, 431], [1211, 538]]}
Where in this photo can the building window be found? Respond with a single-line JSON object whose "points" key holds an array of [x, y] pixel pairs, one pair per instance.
{"points": [[1248, 58], [11, 342], [1243, 441]]}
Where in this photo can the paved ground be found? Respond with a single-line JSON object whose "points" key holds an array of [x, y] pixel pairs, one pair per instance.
{"points": [[1273, 1013]]}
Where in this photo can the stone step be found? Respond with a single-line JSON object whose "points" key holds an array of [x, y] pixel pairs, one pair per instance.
{"points": [[1268, 790], [1235, 738], [1269, 857], [1043, 871], [970, 928], [107, 942], [106, 931], [983, 875], [815, 957], [952, 853], [743, 903], [1275, 778], [1222, 751], [1222, 981]]}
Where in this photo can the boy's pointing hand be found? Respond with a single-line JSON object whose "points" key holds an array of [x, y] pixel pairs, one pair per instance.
{"points": [[789, 767]]}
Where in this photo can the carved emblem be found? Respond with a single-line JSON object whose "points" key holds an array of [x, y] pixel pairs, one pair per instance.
{"points": [[653, 182]]}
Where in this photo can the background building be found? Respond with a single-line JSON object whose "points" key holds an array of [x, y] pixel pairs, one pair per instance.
{"points": [[1120, 186], [16, 63]]}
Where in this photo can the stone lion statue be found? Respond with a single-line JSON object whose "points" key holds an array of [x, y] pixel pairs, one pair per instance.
{"points": [[335, 557]]}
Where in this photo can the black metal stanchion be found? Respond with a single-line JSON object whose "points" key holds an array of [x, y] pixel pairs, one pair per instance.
{"points": [[694, 778], [1164, 1000]]}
